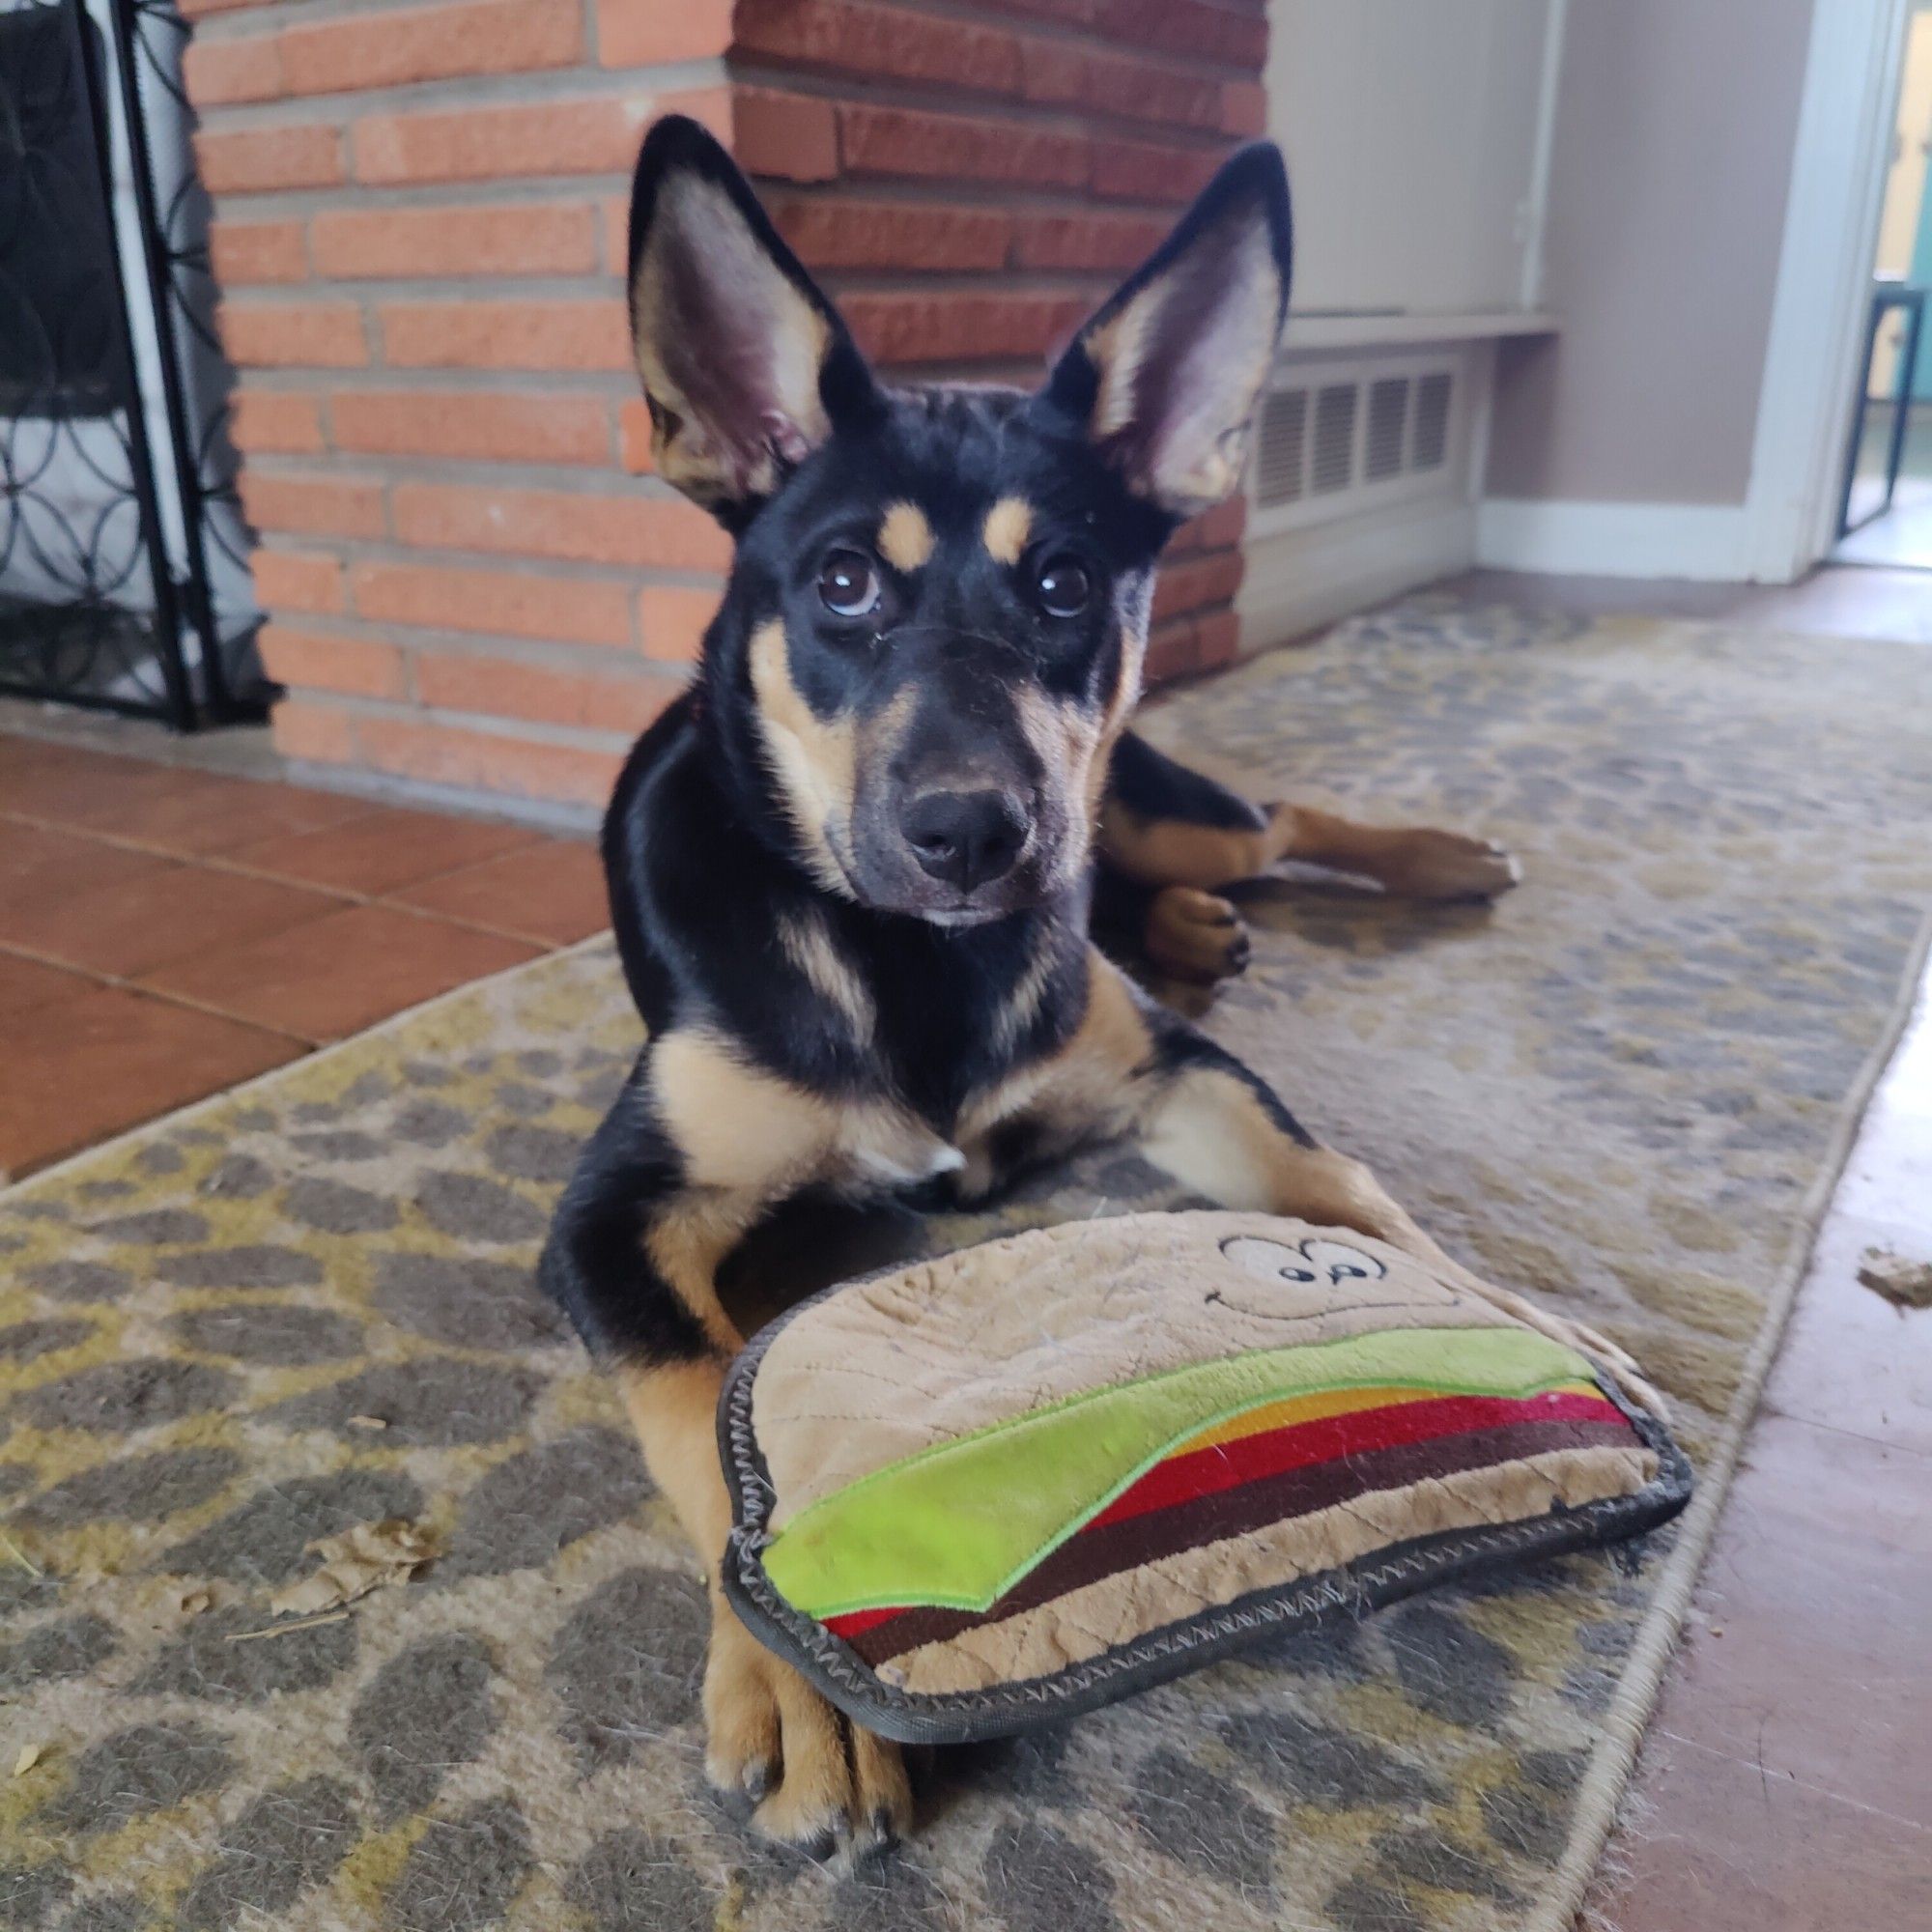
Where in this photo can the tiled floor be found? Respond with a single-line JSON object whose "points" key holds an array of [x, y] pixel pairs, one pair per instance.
{"points": [[167, 931]]}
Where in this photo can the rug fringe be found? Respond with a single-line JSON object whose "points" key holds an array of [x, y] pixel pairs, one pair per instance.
{"points": [[1599, 1796]]}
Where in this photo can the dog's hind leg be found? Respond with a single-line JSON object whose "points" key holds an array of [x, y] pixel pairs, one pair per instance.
{"points": [[696, 1149], [1163, 825]]}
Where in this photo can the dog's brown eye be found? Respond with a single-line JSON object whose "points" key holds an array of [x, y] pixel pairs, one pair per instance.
{"points": [[848, 584], [1063, 586]]}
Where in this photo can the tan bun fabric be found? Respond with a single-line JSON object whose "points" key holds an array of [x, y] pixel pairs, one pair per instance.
{"points": [[885, 1368]]}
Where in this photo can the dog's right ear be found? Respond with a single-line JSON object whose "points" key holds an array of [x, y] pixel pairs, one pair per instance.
{"points": [[746, 365]]}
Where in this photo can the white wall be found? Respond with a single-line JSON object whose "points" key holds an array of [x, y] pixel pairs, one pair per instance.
{"points": [[1411, 129], [1417, 139]]}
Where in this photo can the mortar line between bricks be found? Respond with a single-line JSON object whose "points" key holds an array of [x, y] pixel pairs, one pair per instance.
{"points": [[620, 664], [287, 204], [587, 285], [569, 84], [572, 85], [457, 471], [250, 23], [1073, 34], [284, 14], [449, 291], [1040, 29], [604, 384], [950, 100], [756, 66], [995, 197], [352, 550]]}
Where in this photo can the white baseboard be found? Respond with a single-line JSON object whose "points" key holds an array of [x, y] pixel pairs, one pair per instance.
{"points": [[1705, 542], [1300, 581]]}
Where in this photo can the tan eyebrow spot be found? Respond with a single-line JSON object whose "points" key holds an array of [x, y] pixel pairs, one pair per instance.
{"points": [[905, 537], [1008, 524]]}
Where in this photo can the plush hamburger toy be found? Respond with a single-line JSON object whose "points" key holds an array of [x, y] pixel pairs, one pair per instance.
{"points": [[981, 1493]]}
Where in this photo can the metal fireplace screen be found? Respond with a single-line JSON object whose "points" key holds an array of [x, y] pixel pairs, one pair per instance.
{"points": [[124, 576]]}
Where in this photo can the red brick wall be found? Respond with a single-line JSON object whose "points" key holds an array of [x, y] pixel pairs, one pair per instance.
{"points": [[471, 576]]}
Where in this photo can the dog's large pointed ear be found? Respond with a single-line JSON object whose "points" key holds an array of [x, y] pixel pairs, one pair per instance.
{"points": [[1165, 377], [746, 365]]}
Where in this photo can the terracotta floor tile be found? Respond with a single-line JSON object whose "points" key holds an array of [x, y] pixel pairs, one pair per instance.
{"points": [[33, 769], [383, 850], [42, 868], [110, 1059], [1820, 1580], [335, 976], [26, 985], [170, 808], [168, 911], [1725, 1846], [552, 892]]}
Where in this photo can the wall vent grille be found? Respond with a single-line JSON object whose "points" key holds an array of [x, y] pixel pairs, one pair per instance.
{"points": [[1319, 444], [1334, 453], [1388, 423], [1281, 454], [1432, 395]]}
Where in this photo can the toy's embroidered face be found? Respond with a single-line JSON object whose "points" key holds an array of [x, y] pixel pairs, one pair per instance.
{"points": [[1313, 1260]]}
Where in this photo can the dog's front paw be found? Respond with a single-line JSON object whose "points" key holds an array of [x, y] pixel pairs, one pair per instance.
{"points": [[1433, 864], [1195, 936], [818, 1782]]}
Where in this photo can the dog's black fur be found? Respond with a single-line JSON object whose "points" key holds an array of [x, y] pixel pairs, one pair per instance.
{"points": [[850, 871]]}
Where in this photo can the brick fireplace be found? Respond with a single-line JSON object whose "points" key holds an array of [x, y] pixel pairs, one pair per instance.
{"points": [[472, 580]]}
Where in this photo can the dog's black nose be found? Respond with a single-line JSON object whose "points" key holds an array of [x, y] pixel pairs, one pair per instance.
{"points": [[964, 837]]}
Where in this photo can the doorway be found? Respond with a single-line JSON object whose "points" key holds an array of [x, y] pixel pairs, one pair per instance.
{"points": [[1886, 503]]}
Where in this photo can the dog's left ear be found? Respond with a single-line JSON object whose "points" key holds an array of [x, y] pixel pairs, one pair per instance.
{"points": [[745, 364], [1165, 377]]}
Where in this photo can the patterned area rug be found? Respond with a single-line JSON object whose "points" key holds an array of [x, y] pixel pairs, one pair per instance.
{"points": [[307, 1305]]}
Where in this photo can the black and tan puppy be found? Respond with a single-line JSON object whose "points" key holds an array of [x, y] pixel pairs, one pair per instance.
{"points": [[850, 871]]}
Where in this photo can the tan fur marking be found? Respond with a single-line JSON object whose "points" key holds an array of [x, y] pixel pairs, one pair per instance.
{"points": [[813, 759], [673, 1406], [905, 538], [743, 1130], [1067, 737], [1169, 852], [1085, 1089], [761, 1718], [736, 1127], [1007, 525], [1193, 934], [1418, 861], [809, 946], [1022, 1004]]}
